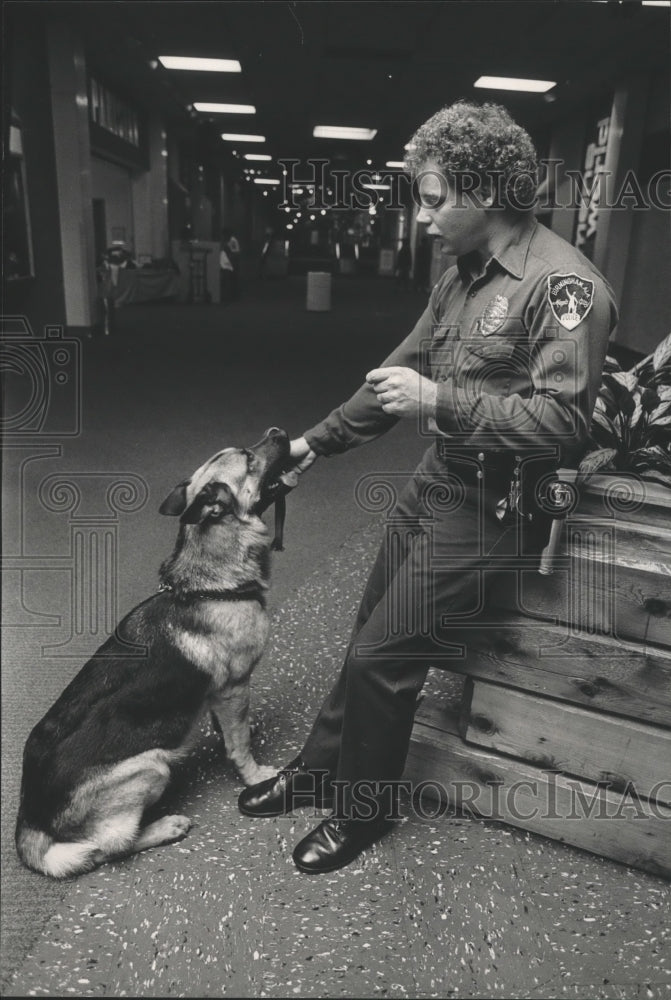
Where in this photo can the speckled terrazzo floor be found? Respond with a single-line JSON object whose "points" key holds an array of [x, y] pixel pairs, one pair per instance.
{"points": [[455, 908], [449, 908]]}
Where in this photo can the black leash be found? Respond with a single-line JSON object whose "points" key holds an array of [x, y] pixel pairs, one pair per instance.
{"points": [[276, 494]]}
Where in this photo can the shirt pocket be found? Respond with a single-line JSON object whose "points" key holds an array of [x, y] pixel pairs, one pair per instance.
{"points": [[440, 351], [487, 364]]}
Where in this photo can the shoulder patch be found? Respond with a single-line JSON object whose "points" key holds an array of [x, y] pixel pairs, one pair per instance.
{"points": [[570, 298]]}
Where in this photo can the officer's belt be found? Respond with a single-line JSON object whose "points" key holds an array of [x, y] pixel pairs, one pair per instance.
{"points": [[494, 469]]}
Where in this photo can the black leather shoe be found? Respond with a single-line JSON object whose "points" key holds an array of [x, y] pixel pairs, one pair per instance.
{"points": [[294, 786], [337, 842]]}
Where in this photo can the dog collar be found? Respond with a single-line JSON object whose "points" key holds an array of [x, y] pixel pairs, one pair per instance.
{"points": [[250, 593]]}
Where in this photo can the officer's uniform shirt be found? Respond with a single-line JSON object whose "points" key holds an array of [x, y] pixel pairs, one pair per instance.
{"points": [[516, 348]]}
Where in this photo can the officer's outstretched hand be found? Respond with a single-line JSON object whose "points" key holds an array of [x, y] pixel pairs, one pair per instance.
{"points": [[403, 392], [301, 457]]}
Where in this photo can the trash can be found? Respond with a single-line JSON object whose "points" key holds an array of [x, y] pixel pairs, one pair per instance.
{"points": [[319, 291]]}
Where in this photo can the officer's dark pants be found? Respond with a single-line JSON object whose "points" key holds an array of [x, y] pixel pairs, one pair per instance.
{"points": [[444, 542]]}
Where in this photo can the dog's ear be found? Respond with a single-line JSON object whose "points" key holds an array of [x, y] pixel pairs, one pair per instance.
{"points": [[175, 503], [214, 501]]}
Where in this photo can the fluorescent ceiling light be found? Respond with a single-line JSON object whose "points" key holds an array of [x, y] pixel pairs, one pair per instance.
{"points": [[656, 3], [343, 132], [265, 180], [377, 187], [225, 109], [258, 156], [199, 65], [239, 137], [395, 163], [513, 83]]}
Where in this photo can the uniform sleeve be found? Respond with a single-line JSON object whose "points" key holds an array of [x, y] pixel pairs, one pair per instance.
{"points": [[554, 394], [361, 418]]}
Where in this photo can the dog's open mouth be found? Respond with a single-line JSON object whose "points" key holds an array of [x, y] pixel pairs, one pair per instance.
{"points": [[276, 482], [278, 487]]}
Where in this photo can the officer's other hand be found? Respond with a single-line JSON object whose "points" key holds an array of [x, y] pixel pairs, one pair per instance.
{"points": [[403, 392], [301, 456]]}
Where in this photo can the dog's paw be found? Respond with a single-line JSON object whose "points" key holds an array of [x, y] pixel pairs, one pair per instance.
{"points": [[174, 827], [260, 772]]}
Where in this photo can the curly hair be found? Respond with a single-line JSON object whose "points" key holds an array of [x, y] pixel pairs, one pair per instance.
{"points": [[481, 141]]}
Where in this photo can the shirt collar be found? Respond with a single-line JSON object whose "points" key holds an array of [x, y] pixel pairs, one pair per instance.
{"points": [[511, 254]]}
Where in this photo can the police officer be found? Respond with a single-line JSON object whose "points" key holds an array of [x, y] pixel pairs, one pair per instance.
{"points": [[501, 372]]}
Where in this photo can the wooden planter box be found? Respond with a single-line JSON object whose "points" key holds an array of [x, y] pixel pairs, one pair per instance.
{"points": [[564, 726]]}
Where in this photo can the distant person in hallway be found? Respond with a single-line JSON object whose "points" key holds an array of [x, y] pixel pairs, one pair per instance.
{"points": [[229, 264], [502, 381], [266, 250]]}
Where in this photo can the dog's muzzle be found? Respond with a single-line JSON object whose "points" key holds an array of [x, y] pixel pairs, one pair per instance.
{"points": [[274, 447]]}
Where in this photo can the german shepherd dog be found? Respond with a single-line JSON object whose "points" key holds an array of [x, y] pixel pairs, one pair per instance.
{"points": [[103, 753]]}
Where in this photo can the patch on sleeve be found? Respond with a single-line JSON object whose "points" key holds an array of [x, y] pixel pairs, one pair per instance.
{"points": [[570, 298]]}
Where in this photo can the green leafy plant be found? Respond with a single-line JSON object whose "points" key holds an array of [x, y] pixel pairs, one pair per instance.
{"points": [[631, 424]]}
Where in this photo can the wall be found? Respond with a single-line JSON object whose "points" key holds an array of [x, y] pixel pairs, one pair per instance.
{"points": [[40, 298], [150, 196], [633, 247], [645, 306], [69, 108], [113, 183]]}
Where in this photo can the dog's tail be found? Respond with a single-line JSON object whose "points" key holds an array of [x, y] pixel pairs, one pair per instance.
{"points": [[59, 859]]}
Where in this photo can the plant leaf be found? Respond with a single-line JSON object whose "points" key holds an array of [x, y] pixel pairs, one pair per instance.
{"points": [[608, 399], [643, 370], [596, 460], [649, 400], [656, 455], [610, 365], [604, 430], [638, 408], [621, 393], [627, 379], [662, 354]]}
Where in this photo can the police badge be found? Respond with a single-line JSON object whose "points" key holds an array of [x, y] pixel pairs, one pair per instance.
{"points": [[570, 298], [494, 315]]}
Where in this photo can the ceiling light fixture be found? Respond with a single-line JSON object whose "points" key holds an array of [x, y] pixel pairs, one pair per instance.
{"points": [[377, 187], [237, 137], [515, 83], [258, 156], [200, 65], [395, 163], [212, 107], [265, 180], [343, 132]]}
